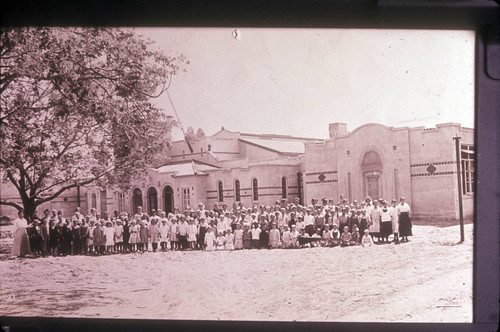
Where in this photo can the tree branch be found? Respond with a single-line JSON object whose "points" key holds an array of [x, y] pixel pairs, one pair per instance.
{"points": [[17, 206]]}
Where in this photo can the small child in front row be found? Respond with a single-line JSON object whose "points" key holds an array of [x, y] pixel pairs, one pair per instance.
{"points": [[247, 237], [238, 237], [229, 239], [345, 238], [274, 236], [294, 236], [367, 240], [191, 234], [335, 235], [220, 241], [209, 239], [355, 239], [286, 237]]}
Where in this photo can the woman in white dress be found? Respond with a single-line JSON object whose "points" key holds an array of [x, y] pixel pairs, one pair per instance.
{"points": [[21, 245]]}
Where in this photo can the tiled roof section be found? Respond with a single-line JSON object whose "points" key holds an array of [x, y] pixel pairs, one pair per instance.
{"points": [[185, 169], [287, 146]]}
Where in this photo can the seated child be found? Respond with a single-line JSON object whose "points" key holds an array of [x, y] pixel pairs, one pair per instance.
{"points": [[317, 234], [220, 241], [355, 239], [326, 237], [345, 238], [335, 236], [367, 240], [294, 237], [304, 234]]}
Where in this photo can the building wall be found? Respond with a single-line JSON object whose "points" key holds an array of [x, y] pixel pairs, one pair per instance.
{"points": [[269, 179], [334, 167], [437, 193]]}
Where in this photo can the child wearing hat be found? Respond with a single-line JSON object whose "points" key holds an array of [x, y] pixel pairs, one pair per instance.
{"points": [[367, 240]]}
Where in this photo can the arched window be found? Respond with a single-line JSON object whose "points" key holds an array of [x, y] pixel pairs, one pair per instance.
{"points": [[152, 200], [237, 190], [136, 199], [283, 187], [255, 189], [168, 199], [221, 191]]}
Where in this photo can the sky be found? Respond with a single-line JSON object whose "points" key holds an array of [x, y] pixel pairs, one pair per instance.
{"points": [[297, 81]]}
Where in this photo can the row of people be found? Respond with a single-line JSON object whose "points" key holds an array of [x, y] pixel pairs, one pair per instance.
{"points": [[54, 234]]}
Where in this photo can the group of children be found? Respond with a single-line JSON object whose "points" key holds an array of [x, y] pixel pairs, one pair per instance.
{"points": [[283, 226]]}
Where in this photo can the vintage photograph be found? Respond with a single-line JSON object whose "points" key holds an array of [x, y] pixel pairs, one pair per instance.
{"points": [[250, 174]]}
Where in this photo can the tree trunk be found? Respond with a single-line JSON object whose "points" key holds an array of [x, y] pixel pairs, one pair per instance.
{"points": [[29, 209]]}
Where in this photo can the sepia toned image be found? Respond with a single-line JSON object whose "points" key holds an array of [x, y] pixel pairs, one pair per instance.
{"points": [[249, 174]]}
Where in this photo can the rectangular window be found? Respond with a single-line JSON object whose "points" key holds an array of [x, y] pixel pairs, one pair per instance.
{"points": [[467, 156], [186, 196], [121, 202]]}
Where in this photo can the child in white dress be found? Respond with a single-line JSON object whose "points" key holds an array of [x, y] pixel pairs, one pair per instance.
{"points": [[109, 233], [229, 239], [286, 237], [367, 240], [238, 237], [220, 241], [191, 234], [209, 239]]}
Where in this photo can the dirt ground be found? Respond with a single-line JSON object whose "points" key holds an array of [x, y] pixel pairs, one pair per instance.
{"points": [[428, 279]]}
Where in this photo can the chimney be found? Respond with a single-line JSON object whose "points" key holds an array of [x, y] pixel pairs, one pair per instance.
{"points": [[337, 129]]}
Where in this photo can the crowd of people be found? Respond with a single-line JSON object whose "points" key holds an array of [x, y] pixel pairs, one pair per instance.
{"points": [[284, 225]]}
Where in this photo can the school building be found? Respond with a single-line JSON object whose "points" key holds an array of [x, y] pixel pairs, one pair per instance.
{"points": [[372, 160]]}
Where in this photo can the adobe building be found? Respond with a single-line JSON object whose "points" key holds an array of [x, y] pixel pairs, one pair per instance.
{"points": [[387, 162], [373, 160]]}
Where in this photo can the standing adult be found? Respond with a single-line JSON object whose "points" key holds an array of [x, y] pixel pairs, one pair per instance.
{"points": [[393, 211], [404, 220], [374, 226], [385, 223], [21, 245]]}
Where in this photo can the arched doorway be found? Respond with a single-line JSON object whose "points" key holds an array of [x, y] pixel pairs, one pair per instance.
{"points": [[168, 199], [372, 169], [152, 200], [136, 199]]}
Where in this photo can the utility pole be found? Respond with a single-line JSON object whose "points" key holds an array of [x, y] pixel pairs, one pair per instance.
{"points": [[459, 182]]}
